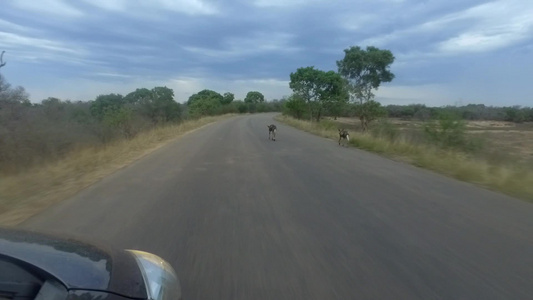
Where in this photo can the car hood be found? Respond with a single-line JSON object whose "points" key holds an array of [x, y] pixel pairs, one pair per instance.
{"points": [[77, 264]]}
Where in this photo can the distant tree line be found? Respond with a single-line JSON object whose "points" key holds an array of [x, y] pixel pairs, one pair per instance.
{"points": [[208, 103], [421, 112]]}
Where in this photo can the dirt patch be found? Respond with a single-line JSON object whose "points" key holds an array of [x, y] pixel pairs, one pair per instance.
{"points": [[490, 124]]}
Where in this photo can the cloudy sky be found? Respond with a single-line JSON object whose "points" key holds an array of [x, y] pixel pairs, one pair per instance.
{"points": [[447, 51]]}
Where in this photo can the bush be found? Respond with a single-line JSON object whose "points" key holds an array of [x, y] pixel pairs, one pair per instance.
{"points": [[295, 107], [449, 131]]}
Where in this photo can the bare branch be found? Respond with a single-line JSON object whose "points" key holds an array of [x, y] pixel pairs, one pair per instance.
{"points": [[2, 63]]}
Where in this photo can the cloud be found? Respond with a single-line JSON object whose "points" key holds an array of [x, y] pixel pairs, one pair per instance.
{"points": [[355, 22], [53, 7], [113, 5], [14, 40], [10, 27], [238, 47], [481, 28], [490, 31], [191, 7], [115, 75], [283, 3]]}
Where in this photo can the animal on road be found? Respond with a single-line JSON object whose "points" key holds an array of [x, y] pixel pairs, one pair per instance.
{"points": [[343, 135], [271, 132]]}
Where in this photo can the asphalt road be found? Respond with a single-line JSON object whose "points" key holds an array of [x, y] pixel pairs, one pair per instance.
{"points": [[242, 217]]}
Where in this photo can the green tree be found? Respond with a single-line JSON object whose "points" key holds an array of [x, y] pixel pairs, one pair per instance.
{"points": [[515, 114], [139, 96], [227, 98], [318, 89], [205, 94], [105, 103], [204, 103], [156, 104], [365, 70], [254, 97], [295, 106], [204, 107], [164, 108]]}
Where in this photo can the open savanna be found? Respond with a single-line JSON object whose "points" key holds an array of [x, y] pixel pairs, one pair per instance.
{"points": [[502, 159], [26, 193]]}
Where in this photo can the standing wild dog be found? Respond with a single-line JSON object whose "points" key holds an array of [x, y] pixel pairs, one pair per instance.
{"points": [[271, 132], [343, 135]]}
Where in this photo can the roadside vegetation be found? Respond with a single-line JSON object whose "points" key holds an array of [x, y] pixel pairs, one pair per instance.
{"points": [[474, 143]]}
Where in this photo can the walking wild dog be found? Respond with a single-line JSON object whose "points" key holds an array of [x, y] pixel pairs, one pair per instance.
{"points": [[343, 135], [271, 132]]}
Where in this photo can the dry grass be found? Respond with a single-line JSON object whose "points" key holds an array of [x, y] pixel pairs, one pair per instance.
{"points": [[502, 175], [28, 193]]}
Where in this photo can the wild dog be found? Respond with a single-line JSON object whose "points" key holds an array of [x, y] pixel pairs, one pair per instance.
{"points": [[271, 132], [343, 135]]}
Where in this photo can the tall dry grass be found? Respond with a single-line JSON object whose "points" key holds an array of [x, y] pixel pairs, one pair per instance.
{"points": [[502, 176], [25, 194]]}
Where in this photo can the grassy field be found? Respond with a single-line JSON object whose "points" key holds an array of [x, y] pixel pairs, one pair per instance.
{"points": [[505, 141], [503, 162], [28, 193]]}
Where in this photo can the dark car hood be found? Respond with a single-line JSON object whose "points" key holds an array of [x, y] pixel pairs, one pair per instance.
{"points": [[78, 265]]}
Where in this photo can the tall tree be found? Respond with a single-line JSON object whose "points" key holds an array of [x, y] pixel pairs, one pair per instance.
{"points": [[254, 97], [163, 107], [205, 94], [139, 96], [365, 70], [227, 98], [204, 103], [318, 89], [157, 104]]}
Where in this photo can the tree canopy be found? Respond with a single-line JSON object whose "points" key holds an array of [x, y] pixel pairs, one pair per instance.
{"points": [[254, 97], [104, 104], [227, 98], [205, 94], [204, 103], [157, 104], [319, 89], [365, 70]]}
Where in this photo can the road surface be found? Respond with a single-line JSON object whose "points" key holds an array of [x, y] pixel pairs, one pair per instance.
{"points": [[242, 217]]}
